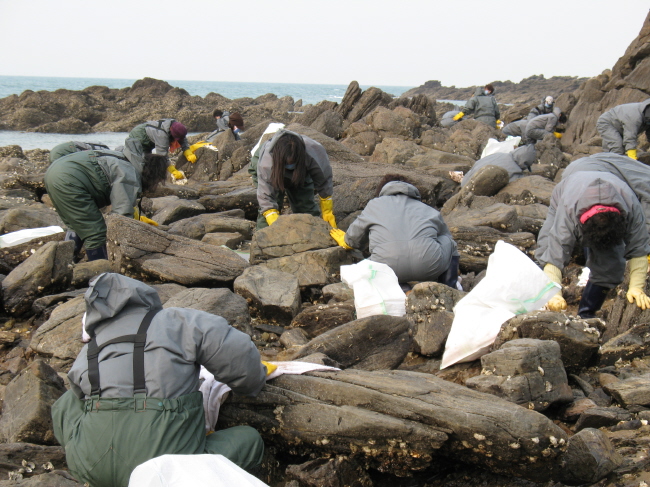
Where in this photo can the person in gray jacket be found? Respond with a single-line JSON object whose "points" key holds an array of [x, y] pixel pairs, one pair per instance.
{"points": [[635, 174], [543, 108], [66, 148], [601, 212], [134, 388], [402, 232], [514, 162], [81, 183], [517, 129], [482, 106], [293, 165], [448, 120], [620, 126], [540, 126]]}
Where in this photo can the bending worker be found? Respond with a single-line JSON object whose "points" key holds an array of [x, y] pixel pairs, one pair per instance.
{"points": [[293, 165], [483, 106], [163, 137], [81, 183], [517, 129], [134, 388], [542, 109], [542, 125], [620, 126], [601, 212], [514, 162], [74, 146], [402, 232]]}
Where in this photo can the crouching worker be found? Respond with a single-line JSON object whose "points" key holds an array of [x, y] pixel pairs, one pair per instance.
{"points": [[74, 146], [514, 162], [402, 232], [81, 183], [134, 388], [602, 213], [294, 166]]}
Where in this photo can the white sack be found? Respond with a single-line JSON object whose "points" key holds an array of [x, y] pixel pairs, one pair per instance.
{"points": [[191, 471], [513, 285], [271, 129], [493, 146], [22, 236], [376, 289]]}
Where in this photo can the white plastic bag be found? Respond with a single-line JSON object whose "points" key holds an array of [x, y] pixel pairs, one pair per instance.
{"points": [[271, 129], [191, 471], [22, 236], [376, 289], [513, 285], [493, 146]]}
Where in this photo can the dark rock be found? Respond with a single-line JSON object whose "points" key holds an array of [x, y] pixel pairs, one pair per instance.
{"points": [[289, 235], [29, 217], [433, 158], [525, 371], [597, 417], [318, 319], [230, 240], [177, 211], [573, 411], [488, 181], [12, 455], [540, 188], [293, 338], [372, 343], [367, 102], [10, 257], [198, 226], [352, 95], [333, 472], [272, 295], [588, 458], [329, 123], [632, 391], [498, 216], [338, 292], [143, 252], [336, 151], [243, 198], [46, 271], [601, 398], [630, 344], [83, 272], [28, 400], [57, 478]]}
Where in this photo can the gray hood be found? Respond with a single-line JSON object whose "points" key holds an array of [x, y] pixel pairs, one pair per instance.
{"points": [[109, 294], [400, 187], [134, 152], [525, 156]]}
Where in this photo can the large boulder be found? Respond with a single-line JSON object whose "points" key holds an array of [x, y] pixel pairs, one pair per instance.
{"points": [[198, 226], [21, 218], [143, 252], [316, 320]]}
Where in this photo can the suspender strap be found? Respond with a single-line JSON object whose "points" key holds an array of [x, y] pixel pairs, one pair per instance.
{"points": [[139, 341], [106, 154]]}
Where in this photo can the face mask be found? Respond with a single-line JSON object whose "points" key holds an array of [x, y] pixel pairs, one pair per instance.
{"points": [[486, 92], [546, 105], [290, 166]]}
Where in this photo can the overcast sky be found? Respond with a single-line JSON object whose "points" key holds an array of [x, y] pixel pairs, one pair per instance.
{"points": [[382, 42]]}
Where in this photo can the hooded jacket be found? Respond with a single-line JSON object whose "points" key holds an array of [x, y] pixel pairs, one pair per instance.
{"points": [[540, 109], [74, 146], [635, 174], [573, 196], [627, 120], [514, 162], [404, 233], [483, 107], [178, 341], [542, 125], [447, 119], [156, 135], [318, 169], [516, 129]]}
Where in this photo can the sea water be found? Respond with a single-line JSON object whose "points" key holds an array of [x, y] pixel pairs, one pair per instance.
{"points": [[15, 85]]}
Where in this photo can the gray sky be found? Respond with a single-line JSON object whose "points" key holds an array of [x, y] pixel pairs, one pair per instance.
{"points": [[382, 42]]}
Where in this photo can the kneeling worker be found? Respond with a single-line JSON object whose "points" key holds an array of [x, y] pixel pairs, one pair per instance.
{"points": [[402, 232], [134, 388]]}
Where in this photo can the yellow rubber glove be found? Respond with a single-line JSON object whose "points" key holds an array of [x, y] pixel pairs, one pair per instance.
{"points": [[189, 155], [326, 209], [553, 273], [198, 145], [638, 270], [176, 174], [649, 260], [270, 368], [148, 220], [458, 116], [499, 124], [556, 303], [631, 153], [136, 213], [557, 134], [339, 236], [271, 215]]}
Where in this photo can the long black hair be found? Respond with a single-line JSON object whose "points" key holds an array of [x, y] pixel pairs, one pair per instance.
{"points": [[289, 149], [154, 171], [389, 178], [604, 230]]}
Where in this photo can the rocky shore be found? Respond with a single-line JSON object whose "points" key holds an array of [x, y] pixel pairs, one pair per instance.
{"points": [[557, 401]]}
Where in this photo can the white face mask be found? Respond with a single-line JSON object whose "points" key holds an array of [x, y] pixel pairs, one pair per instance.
{"points": [[487, 92]]}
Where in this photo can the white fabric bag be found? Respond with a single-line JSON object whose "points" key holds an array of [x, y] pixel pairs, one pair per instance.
{"points": [[376, 289], [191, 471], [22, 236], [513, 285], [493, 146]]}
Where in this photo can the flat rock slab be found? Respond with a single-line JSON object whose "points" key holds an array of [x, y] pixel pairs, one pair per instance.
{"points": [[48, 270], [537, 186], [243, 199], [320, 318], [589, 457], [178, 210], [314, 268], [289, 235], [145, 253], [631, 344], [198, 226], [373, 343], [272, 295], [231, 240], [30, 217], [398, 421], [28, 400], [601, 417], [632, 391], [338, 292], [83, 272], [10, 257], [525, 371], [498, 216]]}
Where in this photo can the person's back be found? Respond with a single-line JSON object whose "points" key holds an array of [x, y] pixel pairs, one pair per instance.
{"points": [[404, 233], [514, 162], [516, 129], [125, 406], [542, 125], [483, 107], [620, 127], [66, 148]]}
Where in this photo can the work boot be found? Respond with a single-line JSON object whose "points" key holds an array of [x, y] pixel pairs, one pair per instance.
{"points": [[70, 235], [97, 253], [592, 299], [450, 276]]}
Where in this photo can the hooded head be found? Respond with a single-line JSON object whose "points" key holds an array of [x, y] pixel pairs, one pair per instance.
{"points": [[392, 184], [178, 131], [548, 102], [525, 156], [490, 88], [236, 121]]}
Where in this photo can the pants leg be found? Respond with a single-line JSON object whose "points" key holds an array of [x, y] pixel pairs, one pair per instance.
{"points": [[450, 276], [612, 139], [242, 445], [592, 299]]}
